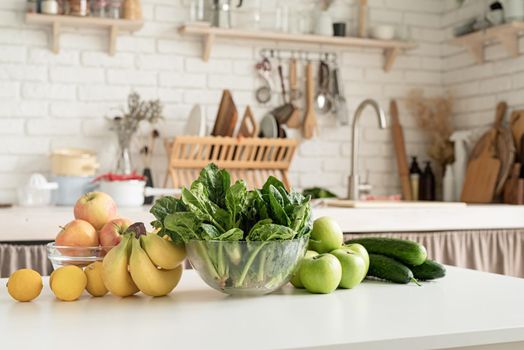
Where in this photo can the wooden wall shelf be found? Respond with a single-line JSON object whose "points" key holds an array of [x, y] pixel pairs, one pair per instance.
{"points": [[390, 48], [114, 26], [507, 34]]}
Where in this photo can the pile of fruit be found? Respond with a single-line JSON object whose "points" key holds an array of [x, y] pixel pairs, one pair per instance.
{"points": [[139, 261], [329, 263]]}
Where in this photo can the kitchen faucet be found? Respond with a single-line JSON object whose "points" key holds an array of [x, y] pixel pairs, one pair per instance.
{"points": [[354, 184]]}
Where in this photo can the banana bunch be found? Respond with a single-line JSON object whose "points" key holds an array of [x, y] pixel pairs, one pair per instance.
{"points": [[150, 264]]}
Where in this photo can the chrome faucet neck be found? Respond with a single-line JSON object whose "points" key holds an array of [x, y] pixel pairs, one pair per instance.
{"points": [[353, 192]]}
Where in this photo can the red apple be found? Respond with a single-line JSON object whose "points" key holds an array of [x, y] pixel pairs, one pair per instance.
{"points": [[77, 233], [111, 234], [97, 208]]}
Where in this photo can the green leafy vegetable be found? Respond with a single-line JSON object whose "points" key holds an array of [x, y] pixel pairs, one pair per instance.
{"points": [[214, 210]]}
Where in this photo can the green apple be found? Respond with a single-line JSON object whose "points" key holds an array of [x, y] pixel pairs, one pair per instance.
{"points": [[321, 273], [326, 235], [360, 250], [353, 267], [295, 280]]}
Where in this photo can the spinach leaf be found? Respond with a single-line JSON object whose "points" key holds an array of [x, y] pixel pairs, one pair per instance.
{"points": [[271, 232], [216, 182], [258, 224], [276, 203], [236, 197], [182, 226], [203, 208], [301, 219], [209, 232], [162, 208], [235, 234]]}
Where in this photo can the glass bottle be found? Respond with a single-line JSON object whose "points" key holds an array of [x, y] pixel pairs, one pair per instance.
{"points": [[115, 9], [32, 6], [100, 8], [79, 8], [414, 175]]}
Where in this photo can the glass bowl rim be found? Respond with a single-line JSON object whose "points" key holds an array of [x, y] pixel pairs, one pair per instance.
{"points": [[98, 247], [270, 241]]}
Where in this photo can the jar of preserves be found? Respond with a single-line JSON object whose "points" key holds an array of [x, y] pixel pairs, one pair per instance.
{"points": [[79, 8], [32, 6]]}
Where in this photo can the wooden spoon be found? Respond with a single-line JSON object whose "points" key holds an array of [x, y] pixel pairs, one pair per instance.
{"points": [[294, 121], [310, 118]]}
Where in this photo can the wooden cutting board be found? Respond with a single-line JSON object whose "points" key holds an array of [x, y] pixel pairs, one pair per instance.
{"points": [[248, 125], [227, 116], [517, 127], [504, 147], [400, 152], [481, 174]]}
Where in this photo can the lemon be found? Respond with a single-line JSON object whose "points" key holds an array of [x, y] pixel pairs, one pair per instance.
{"points": [[68, 282], [24, 285], [95, 283]]}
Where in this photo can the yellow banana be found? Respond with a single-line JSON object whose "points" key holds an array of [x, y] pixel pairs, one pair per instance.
{"points": [[162, 253], [151, 280], [115, 269]]}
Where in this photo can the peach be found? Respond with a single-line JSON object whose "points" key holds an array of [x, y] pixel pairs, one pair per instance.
{"points": [[111, 234], [77, 233], [97, 208]]}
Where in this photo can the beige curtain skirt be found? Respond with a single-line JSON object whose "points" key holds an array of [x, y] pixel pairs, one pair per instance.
{"points": [[14, 257], [497, 251]]}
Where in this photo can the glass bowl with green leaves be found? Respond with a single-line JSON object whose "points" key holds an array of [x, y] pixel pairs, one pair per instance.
{"points": [[246, 267], [240, 241]]}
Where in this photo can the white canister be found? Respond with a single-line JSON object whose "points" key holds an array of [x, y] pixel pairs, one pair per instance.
{"points": [[514, 10], [324, 24], [50, 7]]}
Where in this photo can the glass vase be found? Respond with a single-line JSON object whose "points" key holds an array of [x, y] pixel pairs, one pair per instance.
{"points": [[124, 164]]}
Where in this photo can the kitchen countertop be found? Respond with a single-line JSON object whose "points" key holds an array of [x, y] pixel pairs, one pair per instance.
{"points": [[42, 224], [466, 308]]}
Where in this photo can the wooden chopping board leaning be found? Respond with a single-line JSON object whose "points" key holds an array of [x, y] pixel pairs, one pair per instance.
{"points": [[400, 151], [490, 162]]}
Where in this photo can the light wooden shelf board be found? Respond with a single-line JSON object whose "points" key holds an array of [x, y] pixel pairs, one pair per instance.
{"points": [[391, 48], [114, 26], [507, 34]]}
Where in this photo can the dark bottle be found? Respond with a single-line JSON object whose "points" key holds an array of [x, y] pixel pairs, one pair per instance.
{"points": [[427, 184], [414, 176]]}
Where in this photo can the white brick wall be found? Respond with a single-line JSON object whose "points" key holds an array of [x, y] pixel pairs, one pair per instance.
{"points": [[49, 101]]}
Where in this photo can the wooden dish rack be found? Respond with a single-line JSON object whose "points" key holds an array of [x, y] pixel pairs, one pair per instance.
{"points": [[251, 159]]}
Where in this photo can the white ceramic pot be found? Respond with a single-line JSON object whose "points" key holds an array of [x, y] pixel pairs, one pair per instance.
{"points": [[383, 32], [73, 162], [131, 193], [324, 24]]}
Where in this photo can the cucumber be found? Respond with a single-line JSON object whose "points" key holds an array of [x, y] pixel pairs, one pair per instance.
{"points": [[429, 270], [389, 269], [407, 252]]}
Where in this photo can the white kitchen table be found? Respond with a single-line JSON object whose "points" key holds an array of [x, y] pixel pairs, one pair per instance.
{"points": [[465, 309]]}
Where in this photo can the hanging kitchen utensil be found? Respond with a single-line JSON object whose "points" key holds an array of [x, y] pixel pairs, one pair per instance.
{"points": [[294, 121], [284, 111], [226, 117], [504, 146], [482, 174], [248, 126], [310, 119], [340, 108], [400, 152], [323, 100], [263, 93]]}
